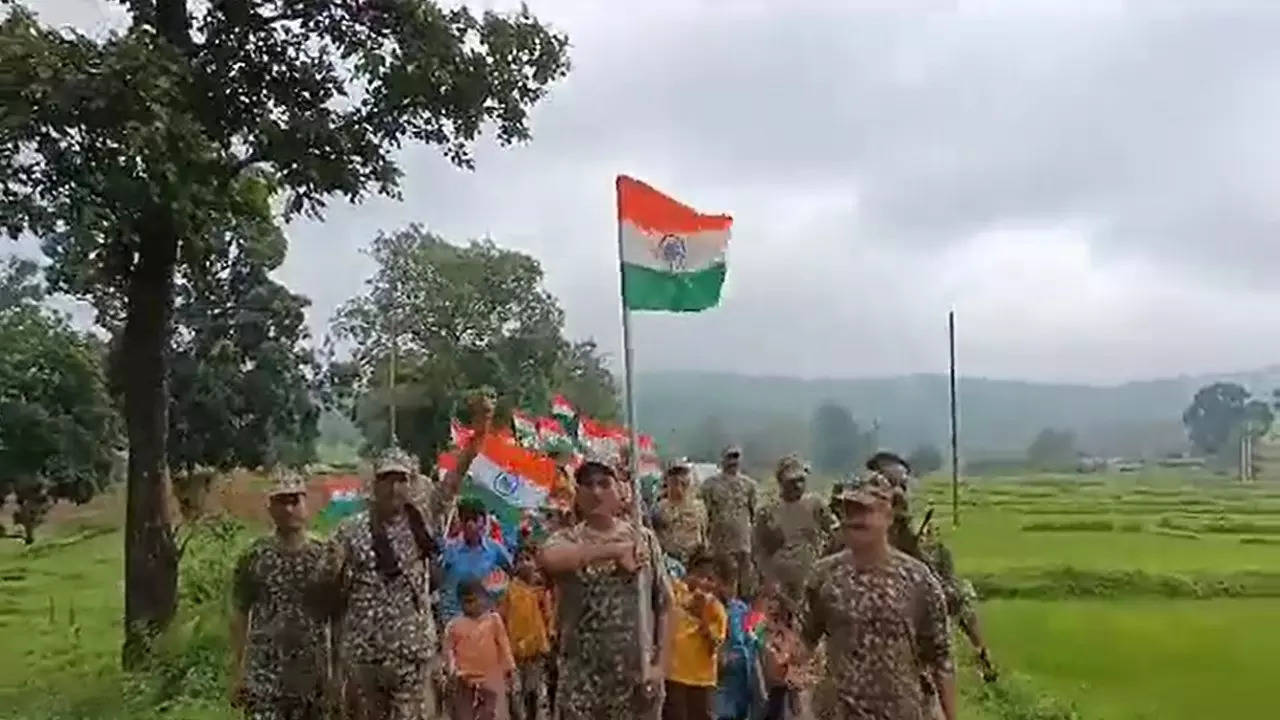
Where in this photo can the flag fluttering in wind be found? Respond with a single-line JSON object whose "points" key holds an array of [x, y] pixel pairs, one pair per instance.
{"points": [[509, 479], [563, 411], [648, 468], [343, 496], [673, 257], [525, 428], [551, 435], [459, 434]]}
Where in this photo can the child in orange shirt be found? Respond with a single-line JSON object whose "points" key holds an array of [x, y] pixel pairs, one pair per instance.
{"points": [[527, 610], [479, 657]]}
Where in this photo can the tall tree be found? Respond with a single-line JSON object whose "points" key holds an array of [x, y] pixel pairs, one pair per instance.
{"points": [[1218, 413], [135, 155], [460, 317], [925, 459], [1053, 450], [243, 390], [839, 445], [58, 429]]}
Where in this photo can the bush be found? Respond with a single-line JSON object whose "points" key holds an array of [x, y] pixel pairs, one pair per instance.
{"points": [[1070, 526], [1254, 540], [1065, 582]]}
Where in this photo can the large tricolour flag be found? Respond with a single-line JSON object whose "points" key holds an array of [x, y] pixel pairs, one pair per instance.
{"points": [[673, 257]]}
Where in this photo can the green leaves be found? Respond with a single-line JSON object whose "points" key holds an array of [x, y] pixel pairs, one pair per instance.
{"points": [[58, 429], [461, 317]]}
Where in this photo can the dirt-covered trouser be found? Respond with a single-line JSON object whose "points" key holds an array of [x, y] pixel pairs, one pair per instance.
{"points": [[391, 691], [300, 709], [529, 699], [744, 571]]}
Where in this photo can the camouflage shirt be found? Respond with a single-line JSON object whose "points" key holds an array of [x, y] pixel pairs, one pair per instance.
{"points": [[731, 507], [885, 626], [384, 619], [790, 537], [683, 526], [287, 596], [607, 635]]}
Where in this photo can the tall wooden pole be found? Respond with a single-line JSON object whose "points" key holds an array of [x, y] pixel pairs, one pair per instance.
{"points": [[955, 445]]}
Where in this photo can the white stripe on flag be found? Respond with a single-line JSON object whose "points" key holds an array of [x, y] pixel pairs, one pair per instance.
{"points": [[510, 487]]}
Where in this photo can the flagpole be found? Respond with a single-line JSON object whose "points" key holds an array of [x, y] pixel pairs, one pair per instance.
{"points": [[955, 446], [628, 364], [391, 381]]}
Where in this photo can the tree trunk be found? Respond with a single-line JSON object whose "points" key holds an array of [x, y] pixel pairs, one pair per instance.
{"points": [[150, 552]]}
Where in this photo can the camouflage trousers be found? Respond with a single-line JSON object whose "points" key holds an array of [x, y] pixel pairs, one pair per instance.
{"points": [[391, 691], [529, 698], [308, 709], [743, 568]]}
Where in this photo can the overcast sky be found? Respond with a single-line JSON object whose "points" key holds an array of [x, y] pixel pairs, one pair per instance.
{"points": [[1096, 191]]}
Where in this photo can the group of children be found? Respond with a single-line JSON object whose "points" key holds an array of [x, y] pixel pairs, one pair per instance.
{"points": [[729, 660]]}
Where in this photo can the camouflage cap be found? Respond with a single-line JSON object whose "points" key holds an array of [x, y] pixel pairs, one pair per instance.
{"points": [[286, 481], [395, 460], [731, 450], [865, 489], [791, 467]]}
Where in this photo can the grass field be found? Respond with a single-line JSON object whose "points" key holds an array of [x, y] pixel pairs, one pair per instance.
{"points": [[1141, 620], [1164, 615]]}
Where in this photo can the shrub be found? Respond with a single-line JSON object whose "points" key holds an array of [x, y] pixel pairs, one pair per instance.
{"points": [[1069, 526]]}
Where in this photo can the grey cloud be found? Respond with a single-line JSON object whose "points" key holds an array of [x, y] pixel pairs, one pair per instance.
{"points": [[1093, 189]]}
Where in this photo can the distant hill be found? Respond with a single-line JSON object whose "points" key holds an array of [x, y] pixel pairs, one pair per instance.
{"points": [[997, 417]]}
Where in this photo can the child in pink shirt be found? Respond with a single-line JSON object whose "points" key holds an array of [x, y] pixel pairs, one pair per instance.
{"points": [[479, 658]]}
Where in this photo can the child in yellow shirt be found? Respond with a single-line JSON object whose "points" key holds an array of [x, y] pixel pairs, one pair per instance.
{"points": [[698, 626], [527, 610]]}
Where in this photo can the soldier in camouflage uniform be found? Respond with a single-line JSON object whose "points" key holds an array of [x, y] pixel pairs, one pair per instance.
{"points": [[924, 544], [612, 596], [731, 502], [387, 641], [281, 618], [791, 532], [680, 518], [883, 615]]}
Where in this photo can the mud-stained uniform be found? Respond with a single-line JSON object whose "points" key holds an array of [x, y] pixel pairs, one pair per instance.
{"points": [[790, 537], [607, 636], [387, 634], [884, 626], [287, 596], [731, 502], [682, 526]]}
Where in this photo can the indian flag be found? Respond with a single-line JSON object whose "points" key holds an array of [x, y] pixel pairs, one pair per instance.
{"points": [[525, 427], [673, 257], [551, 434], [562, 410], [509, 479]]}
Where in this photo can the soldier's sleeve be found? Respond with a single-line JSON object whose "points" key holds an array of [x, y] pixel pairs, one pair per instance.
{"points": [[933, 636], [813, 613], [662, 586], [243, 584], [826, 520]]}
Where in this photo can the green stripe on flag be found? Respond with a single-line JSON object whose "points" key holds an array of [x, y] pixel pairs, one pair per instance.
{"points": [[648, 289], [507, 515]]}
